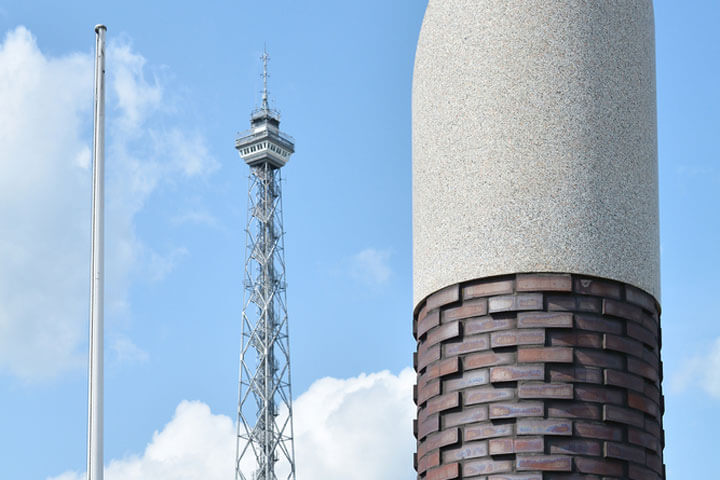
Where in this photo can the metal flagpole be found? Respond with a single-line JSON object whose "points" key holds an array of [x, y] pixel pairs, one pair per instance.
{"points": [[95, 376]]}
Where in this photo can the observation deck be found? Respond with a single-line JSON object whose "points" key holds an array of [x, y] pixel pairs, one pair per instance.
{"points": [[264, 142]]}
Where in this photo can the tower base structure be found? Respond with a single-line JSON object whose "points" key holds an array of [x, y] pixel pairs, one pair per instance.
{"points": [[536, 376]]}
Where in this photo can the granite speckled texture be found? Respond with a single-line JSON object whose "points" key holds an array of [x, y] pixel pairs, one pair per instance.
{"points": [[534, 142]]}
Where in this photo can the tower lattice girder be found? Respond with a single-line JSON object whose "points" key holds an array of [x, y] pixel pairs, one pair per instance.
{"points": [[265, 449]]}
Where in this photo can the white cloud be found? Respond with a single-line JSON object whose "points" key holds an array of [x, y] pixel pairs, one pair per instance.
{"points": [[371, 266], [136, 97], [125, 351], [198, 217], [353, 429], [45, 142], [195, 444], [701, 371], [43, 193], [357, 428]]}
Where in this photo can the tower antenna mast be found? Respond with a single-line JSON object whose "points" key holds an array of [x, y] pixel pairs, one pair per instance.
{"points": [[265, 57], [265, 448]]}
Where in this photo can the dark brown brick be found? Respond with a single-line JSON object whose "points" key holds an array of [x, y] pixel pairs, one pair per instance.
{"points": [[590, 393], [545, 354], [546, 390], [442, 403], [655, 463], [423, 348], [487, 394], [600, 431], [574, 303], [599, 466], [575, 446], [652, 357], [575, 339], [651, 322], [430, 425], [428, 461], [589, 304], [529, 444], [469, 344], [562, 303], [568, 373], [599, 288], [423, 380], [437, 440], [488, 288], [588, 411], [642, 334], [443, 297], [622, 344], [511, 338], [653, 427], [442, 368], [471, 378], [624, 380], [484, 467], [545, 320], [511, 303], [546, 463], [468, 450], [515, 476], [544, 282], [636, 472], [427, 355], [487, 359], [644, 439], [640, 367], [641, 402], [515, 410], [471, 308], [623, 451], [622, 310], [443, 332], [429, 321], [501, 446], [640, 298], [544, 427], [443, 472], [517, 372], [465, 416], [487, 324], [598, 323], [611, 413], [420, 314], [487, 430], [427, 391], [596, 358]]}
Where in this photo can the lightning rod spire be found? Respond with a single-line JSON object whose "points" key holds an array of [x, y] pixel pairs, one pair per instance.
{"points": [[265, 57]]}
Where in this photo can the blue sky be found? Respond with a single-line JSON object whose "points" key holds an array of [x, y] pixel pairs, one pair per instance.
{"points": [[181, 82]]}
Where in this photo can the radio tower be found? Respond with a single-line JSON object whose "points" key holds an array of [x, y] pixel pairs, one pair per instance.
{"points": [[264, 448]]}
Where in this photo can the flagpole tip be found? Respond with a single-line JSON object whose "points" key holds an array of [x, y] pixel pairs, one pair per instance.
{"points": [[99, 26]]}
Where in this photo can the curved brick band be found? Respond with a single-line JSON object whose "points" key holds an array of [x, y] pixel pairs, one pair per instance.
{"points": [[539, 376]]}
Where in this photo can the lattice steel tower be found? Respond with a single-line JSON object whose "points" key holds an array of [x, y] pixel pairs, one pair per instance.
{"points": [[265, 449]]}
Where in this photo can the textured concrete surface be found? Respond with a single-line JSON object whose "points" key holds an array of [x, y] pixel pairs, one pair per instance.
{"points": [[534, 142]]}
